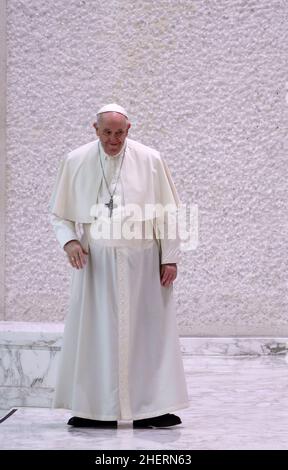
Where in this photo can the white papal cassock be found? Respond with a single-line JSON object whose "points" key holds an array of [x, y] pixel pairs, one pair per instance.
{"points": [[120, 358]]}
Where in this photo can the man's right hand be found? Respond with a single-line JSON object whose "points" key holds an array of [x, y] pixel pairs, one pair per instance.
{"points": [[76, 254]]}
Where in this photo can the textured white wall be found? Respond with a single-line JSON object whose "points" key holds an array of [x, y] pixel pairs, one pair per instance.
{"points": [[205, 83]]}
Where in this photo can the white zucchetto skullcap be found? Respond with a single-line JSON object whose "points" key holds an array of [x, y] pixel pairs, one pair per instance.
{"points": [[114, 108]]}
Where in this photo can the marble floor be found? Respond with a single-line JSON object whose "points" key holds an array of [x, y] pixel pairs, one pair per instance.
{"points": [[235, 403]]}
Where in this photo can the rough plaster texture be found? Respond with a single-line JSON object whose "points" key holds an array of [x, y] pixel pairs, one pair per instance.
{"points": [[205, 83], [3, 61]]}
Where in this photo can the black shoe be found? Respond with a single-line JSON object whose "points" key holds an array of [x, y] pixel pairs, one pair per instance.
{"points": [[157, 421], [91, 423]]}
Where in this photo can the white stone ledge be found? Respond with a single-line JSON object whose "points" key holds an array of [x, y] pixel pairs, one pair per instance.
{"points": [[233, 346], [31, 335]]}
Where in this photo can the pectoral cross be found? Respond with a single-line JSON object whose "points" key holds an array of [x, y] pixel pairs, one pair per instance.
{"points": [[110, 206]]}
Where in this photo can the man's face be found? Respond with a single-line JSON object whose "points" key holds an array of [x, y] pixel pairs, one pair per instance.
{"points": [[112, 129]]}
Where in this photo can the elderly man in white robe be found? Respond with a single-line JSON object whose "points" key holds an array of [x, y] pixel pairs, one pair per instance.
{"points": [[120, 358]]}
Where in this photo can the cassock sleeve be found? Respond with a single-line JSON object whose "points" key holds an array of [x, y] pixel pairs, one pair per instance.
{"points": [[170, 247], [64, 229], [169, 238]]}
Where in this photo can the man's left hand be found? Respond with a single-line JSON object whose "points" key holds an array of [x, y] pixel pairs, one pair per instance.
{"points": [[168, 274]]}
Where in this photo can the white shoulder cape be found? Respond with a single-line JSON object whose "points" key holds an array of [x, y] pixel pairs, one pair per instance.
{"points": [[145, 176]]}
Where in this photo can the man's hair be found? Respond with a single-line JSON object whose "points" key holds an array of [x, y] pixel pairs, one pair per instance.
{"points": [[99, 117]]}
